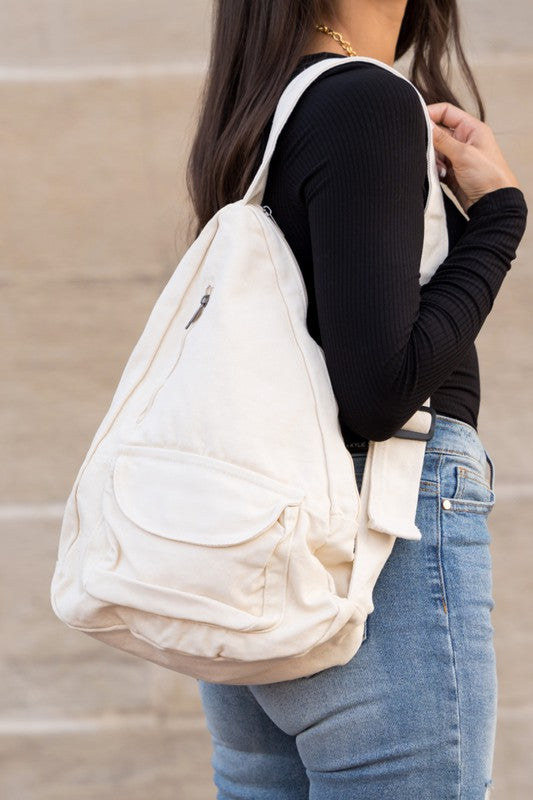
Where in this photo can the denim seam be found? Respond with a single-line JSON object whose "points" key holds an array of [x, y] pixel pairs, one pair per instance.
{"points": [[468, 506], [462, 504], [444, 600], [469, 474], [448, 451], [492, 469], [449, 628]]}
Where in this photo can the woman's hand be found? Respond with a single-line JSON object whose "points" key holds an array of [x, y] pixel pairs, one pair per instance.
{"points": [[466, 147]]}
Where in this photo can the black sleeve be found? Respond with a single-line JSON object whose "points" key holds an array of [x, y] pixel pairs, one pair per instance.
{"points": [[389, 343]]}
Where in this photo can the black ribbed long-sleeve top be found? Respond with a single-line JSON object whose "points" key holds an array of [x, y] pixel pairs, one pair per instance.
{"points": [[347, 185]]}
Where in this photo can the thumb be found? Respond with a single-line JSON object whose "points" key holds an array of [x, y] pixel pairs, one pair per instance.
{"points": [[445, 143]]}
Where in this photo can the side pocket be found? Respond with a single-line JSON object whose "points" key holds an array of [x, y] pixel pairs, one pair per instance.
{"points": [[492, 469], [467, 489]]}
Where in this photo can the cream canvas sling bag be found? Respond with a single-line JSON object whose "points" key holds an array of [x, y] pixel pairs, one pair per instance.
{"points": [[215, 526]]}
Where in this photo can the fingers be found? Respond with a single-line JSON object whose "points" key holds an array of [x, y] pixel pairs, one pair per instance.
{"points": [[441, 167], [449, 115], [460, 124], [446, 144], [468, 147], [453, 128]]}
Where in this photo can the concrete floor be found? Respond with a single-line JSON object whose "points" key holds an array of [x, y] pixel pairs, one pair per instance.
{"points": [[93, 221]]}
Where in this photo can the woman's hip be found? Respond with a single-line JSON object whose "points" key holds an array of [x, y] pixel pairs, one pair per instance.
{"points": [[414, 710]]}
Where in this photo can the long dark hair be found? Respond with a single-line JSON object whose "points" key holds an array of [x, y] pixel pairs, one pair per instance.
{"points": [[255, 47]]}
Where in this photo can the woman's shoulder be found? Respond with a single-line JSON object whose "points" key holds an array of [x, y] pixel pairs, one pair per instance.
{"points": [[353, 81], [359, 98]]}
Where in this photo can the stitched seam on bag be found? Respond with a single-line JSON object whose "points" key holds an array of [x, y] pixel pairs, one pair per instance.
{"points": [[214, 468], [304, 360], [92, 450]]}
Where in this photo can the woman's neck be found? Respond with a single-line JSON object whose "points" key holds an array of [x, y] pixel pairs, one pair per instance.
{"points": [[371, 28]]}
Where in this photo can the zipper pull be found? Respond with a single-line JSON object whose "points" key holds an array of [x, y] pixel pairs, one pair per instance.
{"points": [[270, 215], [203, 302]]}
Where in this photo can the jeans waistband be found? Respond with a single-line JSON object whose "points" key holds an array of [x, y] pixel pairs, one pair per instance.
{"points": [[450, 436], [454, 436]]}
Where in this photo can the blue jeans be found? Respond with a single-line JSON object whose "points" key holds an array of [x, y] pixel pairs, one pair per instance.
{"points": [[412, 716]]}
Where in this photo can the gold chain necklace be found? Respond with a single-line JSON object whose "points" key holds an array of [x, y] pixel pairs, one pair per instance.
{"points": [[338, 38]]}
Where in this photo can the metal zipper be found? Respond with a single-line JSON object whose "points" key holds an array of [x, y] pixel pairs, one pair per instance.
{"points": [[203, 302]]}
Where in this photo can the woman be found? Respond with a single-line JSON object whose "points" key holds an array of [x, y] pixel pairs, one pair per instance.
{"points": [[413, 714]]}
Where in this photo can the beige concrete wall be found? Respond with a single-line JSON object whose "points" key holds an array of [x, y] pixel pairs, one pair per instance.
{"points": [[97, 104], [73, 34]]}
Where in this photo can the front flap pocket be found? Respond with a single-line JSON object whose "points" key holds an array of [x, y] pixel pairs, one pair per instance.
{"points": [[197, 499], [193, 538]]}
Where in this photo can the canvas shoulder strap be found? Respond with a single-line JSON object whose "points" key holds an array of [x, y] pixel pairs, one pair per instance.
{"points": [[286, 103], [392, 474]]}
